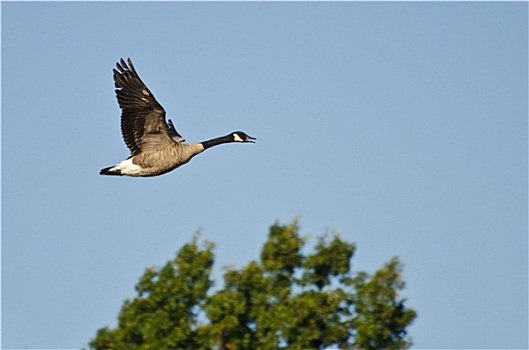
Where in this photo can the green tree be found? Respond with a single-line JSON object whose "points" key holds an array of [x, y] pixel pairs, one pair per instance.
{"points": [[285, 300], [165, 313]]}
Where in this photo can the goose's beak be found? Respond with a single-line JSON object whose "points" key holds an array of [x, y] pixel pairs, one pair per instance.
{"points": [[249, 139]]}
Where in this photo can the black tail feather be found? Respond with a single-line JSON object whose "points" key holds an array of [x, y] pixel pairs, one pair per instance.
{"points": [[108, 171]]}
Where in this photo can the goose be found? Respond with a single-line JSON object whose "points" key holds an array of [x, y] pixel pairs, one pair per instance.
{"points": [[155, 146]]}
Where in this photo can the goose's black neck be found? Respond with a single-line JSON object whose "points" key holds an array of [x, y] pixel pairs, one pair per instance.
{"points": [[217, 141]]}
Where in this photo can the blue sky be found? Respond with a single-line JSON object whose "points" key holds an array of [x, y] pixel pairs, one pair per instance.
{"points": [[401, 125]]}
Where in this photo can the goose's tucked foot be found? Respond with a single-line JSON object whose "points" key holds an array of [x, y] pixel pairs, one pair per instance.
{"points": [[126, 167]]}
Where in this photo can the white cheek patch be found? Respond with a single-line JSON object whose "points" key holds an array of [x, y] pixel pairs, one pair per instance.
{"points": [[237, 138]]}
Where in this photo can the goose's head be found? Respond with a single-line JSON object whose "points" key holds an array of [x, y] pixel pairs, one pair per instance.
{"points": [[239, 136]]}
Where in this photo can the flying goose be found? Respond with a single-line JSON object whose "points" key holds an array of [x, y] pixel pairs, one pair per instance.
{"points": [[155, 146]]}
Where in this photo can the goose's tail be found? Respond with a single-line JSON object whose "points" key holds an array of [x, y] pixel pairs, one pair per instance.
{"points": [[111, 170], [126, 167]]}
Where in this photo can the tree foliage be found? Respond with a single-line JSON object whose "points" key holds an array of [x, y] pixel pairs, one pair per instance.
{"points": [[285, 300]]}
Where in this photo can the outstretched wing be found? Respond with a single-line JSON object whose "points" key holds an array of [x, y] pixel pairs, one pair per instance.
{"points": [[143, 123]]}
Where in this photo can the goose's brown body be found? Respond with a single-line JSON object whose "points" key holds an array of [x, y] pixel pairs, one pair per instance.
{"points": [[156, 162]]}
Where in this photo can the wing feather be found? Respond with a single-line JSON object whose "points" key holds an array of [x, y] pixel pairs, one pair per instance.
{"points": [[143, 124]]}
